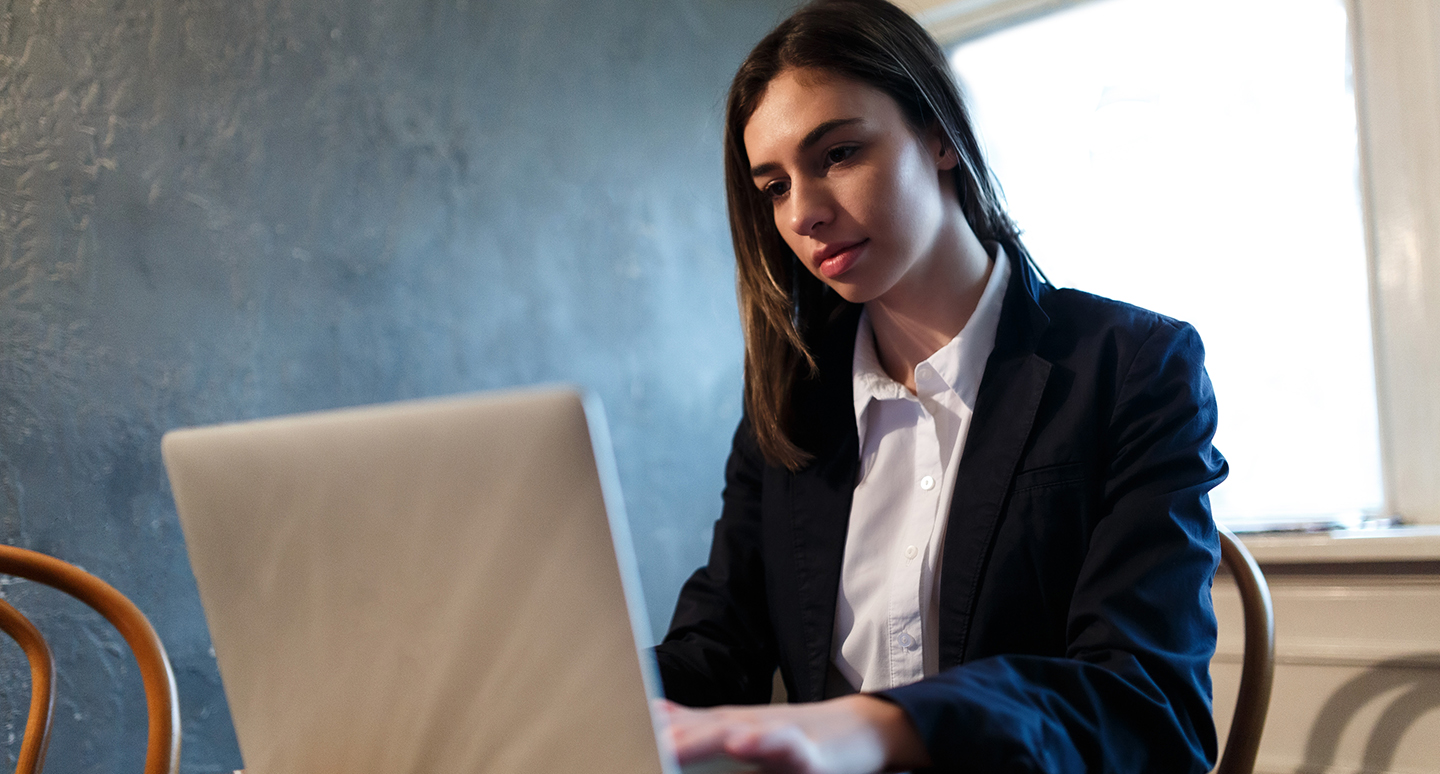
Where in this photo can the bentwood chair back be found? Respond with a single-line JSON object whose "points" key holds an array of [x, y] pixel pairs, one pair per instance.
{"points": [[162, 755], [42, 678], [1258, 668]]}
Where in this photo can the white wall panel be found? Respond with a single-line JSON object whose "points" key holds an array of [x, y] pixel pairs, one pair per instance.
{"points": [[1357, 678]]}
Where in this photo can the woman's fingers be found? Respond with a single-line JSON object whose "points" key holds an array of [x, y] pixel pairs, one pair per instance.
{"points": [[739, 732], [781, 748], [697, 735], [834, 737]]}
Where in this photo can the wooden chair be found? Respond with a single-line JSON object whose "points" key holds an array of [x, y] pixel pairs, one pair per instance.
{"points": [[1258, 668], [162, 754]]}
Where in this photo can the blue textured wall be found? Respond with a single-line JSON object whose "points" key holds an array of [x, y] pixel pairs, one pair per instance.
{"points": [[213, 210]]}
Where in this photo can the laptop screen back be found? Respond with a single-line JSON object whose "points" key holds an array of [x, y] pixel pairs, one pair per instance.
{"points": [[420, 587]]}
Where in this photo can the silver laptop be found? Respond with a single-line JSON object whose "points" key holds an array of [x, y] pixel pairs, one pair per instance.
{"points": [[434, 586]]}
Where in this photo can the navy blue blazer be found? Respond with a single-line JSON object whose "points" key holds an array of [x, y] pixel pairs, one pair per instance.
{"points": [[1076, 626]]}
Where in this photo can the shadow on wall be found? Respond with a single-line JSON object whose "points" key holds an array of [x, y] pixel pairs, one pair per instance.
{"points": [[1417, 678]]}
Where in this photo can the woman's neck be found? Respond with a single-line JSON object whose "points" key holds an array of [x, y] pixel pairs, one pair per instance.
{"points": [[912, 322]]}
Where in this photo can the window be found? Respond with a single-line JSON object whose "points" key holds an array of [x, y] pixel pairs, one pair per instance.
{"points": [[1164, 154]]}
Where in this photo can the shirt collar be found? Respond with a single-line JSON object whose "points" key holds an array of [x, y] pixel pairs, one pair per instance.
{"points": [[960, 364]]}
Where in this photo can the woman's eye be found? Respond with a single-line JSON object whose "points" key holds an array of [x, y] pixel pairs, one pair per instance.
{"points": [[776, 189], [838, 154]]}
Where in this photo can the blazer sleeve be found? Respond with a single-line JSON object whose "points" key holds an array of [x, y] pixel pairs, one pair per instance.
{"points": [[1132, 693], [720, 648]]}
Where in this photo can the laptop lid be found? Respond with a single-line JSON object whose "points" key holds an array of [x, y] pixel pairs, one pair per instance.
{"points": [[433, 586]]}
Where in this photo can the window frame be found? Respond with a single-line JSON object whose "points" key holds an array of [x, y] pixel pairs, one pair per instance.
{"points": [[1395, 56]]}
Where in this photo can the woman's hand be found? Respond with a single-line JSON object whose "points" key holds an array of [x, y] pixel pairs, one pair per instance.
{"points": [[851, 735]]}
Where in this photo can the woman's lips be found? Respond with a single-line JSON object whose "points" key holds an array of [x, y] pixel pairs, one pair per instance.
{"points": [[838, 259]]}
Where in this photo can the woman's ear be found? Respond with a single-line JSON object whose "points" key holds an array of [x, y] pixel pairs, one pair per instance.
{"points": [[948, 159], [941, 151]]}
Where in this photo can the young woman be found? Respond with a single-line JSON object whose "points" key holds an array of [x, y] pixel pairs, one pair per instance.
{"points": [[965, 513]]}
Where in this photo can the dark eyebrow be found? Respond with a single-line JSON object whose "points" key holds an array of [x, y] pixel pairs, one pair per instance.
{"points": [[809, 141]]}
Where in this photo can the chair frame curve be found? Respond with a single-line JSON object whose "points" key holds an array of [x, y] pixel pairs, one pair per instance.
{"points": [[162, 753], [42, 682], [1257, 672]]}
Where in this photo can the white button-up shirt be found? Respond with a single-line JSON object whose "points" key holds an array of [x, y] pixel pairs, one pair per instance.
{"points": [[887, 613]]}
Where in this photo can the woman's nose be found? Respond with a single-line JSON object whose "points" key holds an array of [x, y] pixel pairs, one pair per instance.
{"points": [[811, 207]]}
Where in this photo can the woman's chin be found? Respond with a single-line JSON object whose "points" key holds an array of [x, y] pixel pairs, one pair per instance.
{"points": [[854, 293]]}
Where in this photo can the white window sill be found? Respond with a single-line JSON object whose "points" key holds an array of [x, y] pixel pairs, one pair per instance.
{"points": [[1388, 544]]}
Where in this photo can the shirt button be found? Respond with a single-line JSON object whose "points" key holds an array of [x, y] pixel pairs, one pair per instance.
{"points": [[906, 641], [927, 483], [911, 551]]}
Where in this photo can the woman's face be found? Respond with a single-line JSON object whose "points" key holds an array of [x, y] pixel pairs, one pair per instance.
{"points": [[863, 201]]}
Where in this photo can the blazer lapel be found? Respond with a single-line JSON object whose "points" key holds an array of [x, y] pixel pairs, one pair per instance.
{"points": [[1005, 410], [820, 497]]}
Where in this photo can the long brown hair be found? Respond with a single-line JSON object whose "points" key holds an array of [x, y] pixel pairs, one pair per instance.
{"points": [[783, 308]]}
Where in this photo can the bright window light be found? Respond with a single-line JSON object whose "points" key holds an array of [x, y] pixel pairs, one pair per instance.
{"points": [[1198, 158]]}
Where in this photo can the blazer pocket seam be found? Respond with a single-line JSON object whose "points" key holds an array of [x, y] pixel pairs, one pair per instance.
{"points": [[1050, 476]]}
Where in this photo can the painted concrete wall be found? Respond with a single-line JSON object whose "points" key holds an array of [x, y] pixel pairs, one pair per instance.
{"points": [[214, 210]]}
